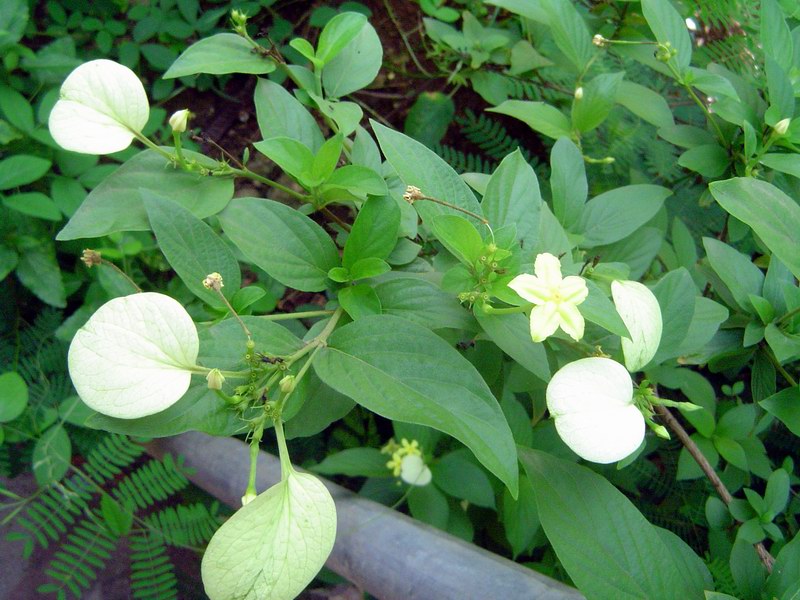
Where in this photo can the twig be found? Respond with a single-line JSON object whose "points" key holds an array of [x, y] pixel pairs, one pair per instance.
{"points": [[766, 558]]}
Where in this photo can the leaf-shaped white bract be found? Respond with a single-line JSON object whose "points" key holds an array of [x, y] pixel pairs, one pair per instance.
{"points": [[591, 401], [134, 356], [639, 310], [275, 545], [101, 105]]}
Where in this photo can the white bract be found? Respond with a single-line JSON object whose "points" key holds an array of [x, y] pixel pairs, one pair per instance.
{"points": [[274, 545], [556, 298], [101, 106], [179, 120], [414, 471], [134, 357], [639, 310], [591, 401]]}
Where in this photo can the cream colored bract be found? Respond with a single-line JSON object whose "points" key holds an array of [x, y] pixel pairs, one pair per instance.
{"points": [[556, 298], [274, 545], [414, 471], [101, 106], [591, 401], [134, 356], [639, 310]]}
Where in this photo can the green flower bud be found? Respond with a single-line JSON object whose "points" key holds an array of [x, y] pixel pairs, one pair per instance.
{"points": [[215, 379]]}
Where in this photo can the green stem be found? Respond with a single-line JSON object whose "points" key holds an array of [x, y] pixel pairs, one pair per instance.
{"points": [[199, 370], [309, 314], [454, 207], [779, 367], [245, 172], [788, 316], [251, 479], [491, 310], [108, 263], [176, 138], [698, 101], [283, 451], [155, 147]]}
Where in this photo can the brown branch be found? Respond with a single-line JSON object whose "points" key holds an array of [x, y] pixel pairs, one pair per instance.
{"points": [[766, 558]]}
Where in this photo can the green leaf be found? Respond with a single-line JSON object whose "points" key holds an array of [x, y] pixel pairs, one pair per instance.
{"points": [[669, 26], [520, 517], [429, 117], [599, 96], [359, 301], [710, 160], [338, 33], [605, 544], [116, 205], [34, 204], [773, 215], [776, 37], [279, 114], [598, 309], [456, 475], [460, 238], [404, 372], [21, 169], [785, 406], [220, 54], [192, 248], [423, 303], [429, 505], [569, 32], [355, 181], [38, 270], [786, 571], [16, 108], [676, 293], [512, 334], [735, 270], [568, 182], [617, 213], [512, 197], [285, 243], [355, 66], [118, 519], [369, 267], [51, 456], [785, 163], [291, 156], [541, 117], [245, 297], [13, 18], [273, 546], [8, 261], [419, 166], [325, 159], [13, 396], [645, 104], [322, 407], [355, 462]]}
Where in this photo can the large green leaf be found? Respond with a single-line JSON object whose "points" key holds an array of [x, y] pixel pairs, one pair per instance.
{"points": [[736, 271], [569, 32], [279, 114], [405, 372], [374, 232], [220, 54], [419, 166], [669, 26], [38, 270], [192, 248], [512, 197], [567, 182], [115, 204], [13, 396], [599, 96], [541, 117], [616, 214], [355, 66], [773, 215], [512, 334], [21, 169], [776, 37], [282, 241], [605, 544], [423, 303], [645, 104], [51, 456]]}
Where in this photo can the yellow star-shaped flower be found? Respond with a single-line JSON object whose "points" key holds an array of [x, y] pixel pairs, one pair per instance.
{"points": [[556, 298]]}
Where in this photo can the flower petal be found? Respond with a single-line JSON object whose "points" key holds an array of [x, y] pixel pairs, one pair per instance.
{"points": [[134, 356], [573, 289], [603, 436], [593, 384], [571, 320], [548, 268], [99, 98], [530, 288], [639, 310], [544, 321], [414, 471]]}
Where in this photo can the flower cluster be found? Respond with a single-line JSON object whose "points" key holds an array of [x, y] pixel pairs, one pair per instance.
{"points": [[407, 462]]}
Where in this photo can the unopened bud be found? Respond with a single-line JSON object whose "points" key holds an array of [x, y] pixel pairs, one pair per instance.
{"points": [[213, 281], [579, 93], [238, 18], [287, 384], [248, 498], [782, 126], [179, 120], [661, 431], [91, 258], [215, 379], [599, 41]]}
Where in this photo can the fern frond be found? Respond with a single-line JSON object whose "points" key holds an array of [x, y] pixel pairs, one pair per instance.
{"points": [[463, 162], [84, 554], [152, 574], [186, 525], [490, 136], [153, 482], [723, 578], [113, 454]]}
